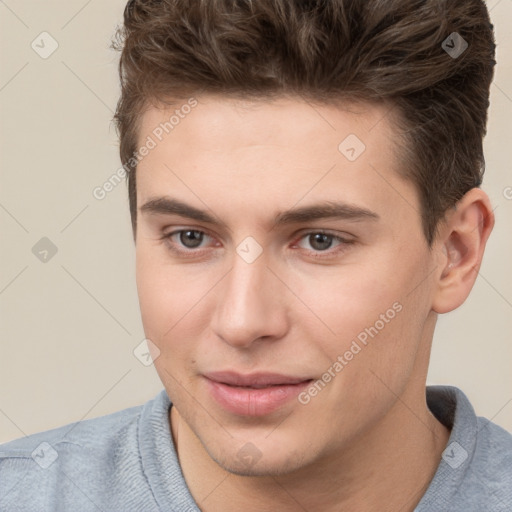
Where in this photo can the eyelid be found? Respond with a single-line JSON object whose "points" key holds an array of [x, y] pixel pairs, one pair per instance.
{"points": [[346, 237]]}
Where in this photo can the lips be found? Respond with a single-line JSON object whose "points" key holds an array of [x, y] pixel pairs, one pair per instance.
{"points": [[255, 380], [256, 394]]}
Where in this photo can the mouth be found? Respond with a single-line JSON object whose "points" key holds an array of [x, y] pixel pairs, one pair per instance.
{"points": [[254, 394], [255, 380]]}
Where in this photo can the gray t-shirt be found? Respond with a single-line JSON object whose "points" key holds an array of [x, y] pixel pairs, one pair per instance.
{"points": [[126, 462]]}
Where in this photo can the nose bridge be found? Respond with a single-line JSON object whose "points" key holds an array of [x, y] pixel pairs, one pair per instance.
{"points": [[249, 305]]}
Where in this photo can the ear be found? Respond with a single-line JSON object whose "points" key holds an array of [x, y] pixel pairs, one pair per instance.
{"points": [[461, 243]]}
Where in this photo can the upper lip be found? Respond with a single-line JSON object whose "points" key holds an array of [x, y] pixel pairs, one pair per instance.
{"points": [[260, 379]]}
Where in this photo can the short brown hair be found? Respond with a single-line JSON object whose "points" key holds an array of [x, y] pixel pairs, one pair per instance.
{"points": [[394, 51]]}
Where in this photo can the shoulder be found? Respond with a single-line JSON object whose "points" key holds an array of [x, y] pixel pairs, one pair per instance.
{"points": [[491, 462], [37, 470], [485, 469], [475, 471], [84, 430]]}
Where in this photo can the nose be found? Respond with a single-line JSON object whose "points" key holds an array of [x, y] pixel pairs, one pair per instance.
{"points": [[250, 304]]}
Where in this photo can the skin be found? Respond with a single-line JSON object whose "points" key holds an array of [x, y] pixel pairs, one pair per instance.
{"points": [[367, 441]]}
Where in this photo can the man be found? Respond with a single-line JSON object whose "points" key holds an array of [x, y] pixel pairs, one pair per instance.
{"points": [[304, 191]]}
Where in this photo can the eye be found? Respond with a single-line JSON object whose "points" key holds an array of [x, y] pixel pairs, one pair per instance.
{"points": [[190, 238], [194, 242], [321, 242], [186, 240]]}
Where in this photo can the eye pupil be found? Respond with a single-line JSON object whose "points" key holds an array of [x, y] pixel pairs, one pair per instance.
{"points": [[191, 238], [320, 241]]}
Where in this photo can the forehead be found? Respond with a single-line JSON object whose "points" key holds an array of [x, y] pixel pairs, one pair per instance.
{"points": [[262, 154], [215, 121]]}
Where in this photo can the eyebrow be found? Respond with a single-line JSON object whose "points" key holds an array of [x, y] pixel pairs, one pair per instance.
{"points": [[326, 210]]}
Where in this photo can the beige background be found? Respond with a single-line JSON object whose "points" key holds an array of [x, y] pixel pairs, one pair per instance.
{"points": [[69, 326]]}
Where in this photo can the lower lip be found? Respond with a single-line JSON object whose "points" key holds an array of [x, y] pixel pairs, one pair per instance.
{"points": [[251, 401]]}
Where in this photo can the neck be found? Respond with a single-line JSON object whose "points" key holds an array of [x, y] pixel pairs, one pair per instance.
{"points": [[399, 454]]}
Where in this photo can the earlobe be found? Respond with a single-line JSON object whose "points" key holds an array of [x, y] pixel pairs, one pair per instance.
{"points": [[462, 242]]}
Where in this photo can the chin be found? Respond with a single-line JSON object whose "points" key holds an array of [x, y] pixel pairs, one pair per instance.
{"points": [[250, 461]]}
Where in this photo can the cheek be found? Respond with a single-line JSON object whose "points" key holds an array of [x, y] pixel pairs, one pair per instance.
{"points": [[347, 301], [152, 292], [163, 308], [374, 314], [164, 294], [173, 309]]}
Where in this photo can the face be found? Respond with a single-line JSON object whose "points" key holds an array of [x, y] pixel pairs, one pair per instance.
{"points": [[283, 276]]}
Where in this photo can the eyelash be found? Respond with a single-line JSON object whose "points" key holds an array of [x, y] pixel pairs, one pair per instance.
{"points": [[328, 253]]}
